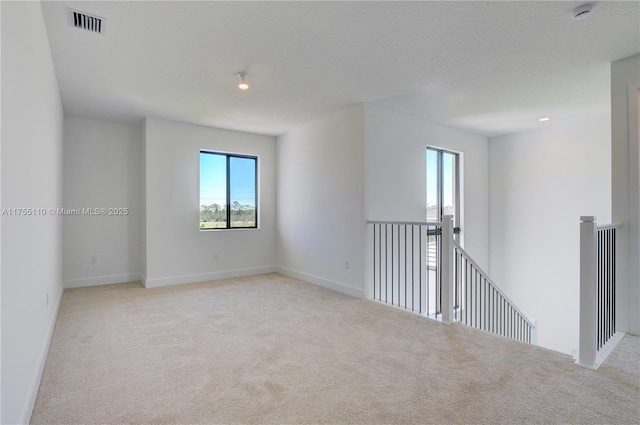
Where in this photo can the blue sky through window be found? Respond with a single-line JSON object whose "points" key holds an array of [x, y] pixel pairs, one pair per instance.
{"points": [[432, 179], [448, 163], [243, 180], [213, 179]]}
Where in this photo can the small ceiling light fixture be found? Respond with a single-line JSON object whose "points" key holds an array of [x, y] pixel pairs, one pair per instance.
{"points": [[583, 11], [243, 85], [544, 119]]}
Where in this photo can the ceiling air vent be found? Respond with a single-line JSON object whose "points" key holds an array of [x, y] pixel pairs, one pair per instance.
{"points": [[583, 11], [86, 22]]}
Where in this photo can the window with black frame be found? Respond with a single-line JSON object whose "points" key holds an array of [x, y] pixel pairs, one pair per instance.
{"points": [[228, 191], [443, 186]]}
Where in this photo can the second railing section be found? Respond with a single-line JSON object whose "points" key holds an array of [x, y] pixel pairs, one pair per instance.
{"points": [[597, 291], [405, 266], [481, 304]]}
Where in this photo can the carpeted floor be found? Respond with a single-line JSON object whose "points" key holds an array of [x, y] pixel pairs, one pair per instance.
{"points": [[271, 349]]}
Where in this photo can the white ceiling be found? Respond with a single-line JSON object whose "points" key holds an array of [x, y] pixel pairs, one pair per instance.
{"points": [[490, 67]]}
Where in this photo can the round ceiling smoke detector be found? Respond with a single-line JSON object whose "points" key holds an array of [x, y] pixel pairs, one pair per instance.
{"points": [[583, 11]]}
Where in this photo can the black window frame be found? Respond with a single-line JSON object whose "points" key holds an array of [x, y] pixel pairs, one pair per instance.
{"points": [[228, 157], [457, 196]]}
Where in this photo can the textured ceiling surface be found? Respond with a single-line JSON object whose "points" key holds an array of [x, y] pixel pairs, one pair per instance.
{"points": [[490, 67]]}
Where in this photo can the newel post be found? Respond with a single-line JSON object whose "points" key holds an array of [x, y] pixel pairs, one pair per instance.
{"points": [[588, 269], [446, 272], [534, 333]]}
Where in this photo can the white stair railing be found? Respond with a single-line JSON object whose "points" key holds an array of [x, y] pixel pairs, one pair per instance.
{"points": [[474, 298], [417, 266], [597, 290], [405, 265]]}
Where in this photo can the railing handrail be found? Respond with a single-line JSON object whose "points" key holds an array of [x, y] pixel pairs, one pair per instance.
{"points": [[609, 226], [407, 223], [492, 283]]}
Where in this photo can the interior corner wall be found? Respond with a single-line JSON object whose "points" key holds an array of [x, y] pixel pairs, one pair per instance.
{"points": [[321, 221], [395, 176], [541, 183], [101, 170], [32, 144], [625, 187], [177, 251], [143, 204]]}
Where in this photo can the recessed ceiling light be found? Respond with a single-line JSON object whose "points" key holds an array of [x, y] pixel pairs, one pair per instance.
{"points": [[243, 85], [544, 119]]}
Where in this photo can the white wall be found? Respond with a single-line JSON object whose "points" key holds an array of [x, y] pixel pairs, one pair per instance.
{"points": [[541, 183], [176, 250], [32, 128], [321, 217], [1, 204], [625, 186], [395, 172], [102, 170]]}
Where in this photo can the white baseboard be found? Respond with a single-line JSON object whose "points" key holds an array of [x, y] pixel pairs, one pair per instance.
{"points": [[102, 280], [30, 403], [609, 346], [192, 278], [320, 281]]}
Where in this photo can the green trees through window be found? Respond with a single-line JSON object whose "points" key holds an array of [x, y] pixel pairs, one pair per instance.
{"points": [[228, 191]]}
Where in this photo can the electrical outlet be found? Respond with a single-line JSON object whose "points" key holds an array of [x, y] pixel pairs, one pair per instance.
{"points": [[92, 259], [347, 264]]}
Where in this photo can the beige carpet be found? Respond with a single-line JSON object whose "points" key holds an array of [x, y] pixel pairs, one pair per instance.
{"points": [[270, 349]]}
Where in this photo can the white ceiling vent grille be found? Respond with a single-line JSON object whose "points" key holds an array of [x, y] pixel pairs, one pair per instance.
{"points": [[87, 22]]}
